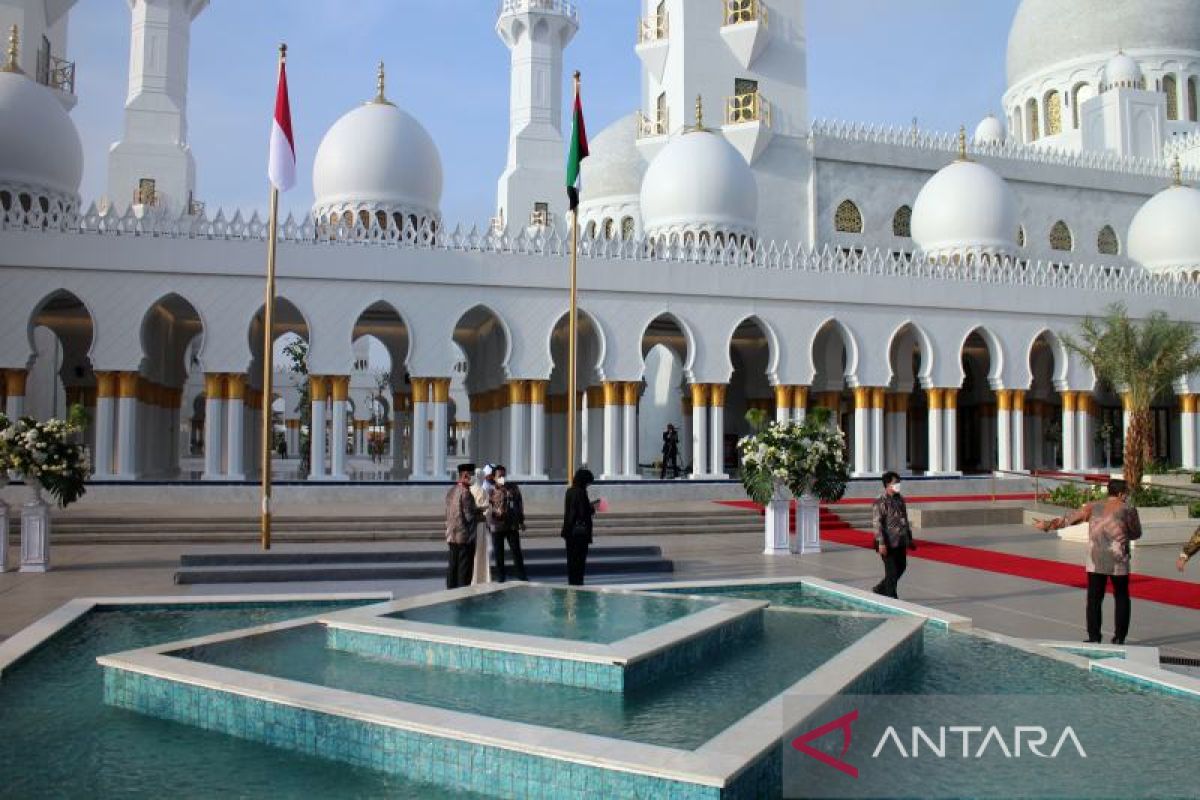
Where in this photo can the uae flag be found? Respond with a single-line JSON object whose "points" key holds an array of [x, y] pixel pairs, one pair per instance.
{"points": [[282, 167], [578, 151]]}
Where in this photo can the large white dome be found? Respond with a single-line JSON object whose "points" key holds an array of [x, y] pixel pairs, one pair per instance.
{"points": [[1049, 32], [1164, 235], [377, 159], [989, 131], [699, 183], [40, 149], [965, 208], [614, 166]]}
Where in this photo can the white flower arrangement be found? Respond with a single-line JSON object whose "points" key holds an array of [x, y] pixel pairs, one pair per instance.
{"points": [[808, 457], [44, 452]]}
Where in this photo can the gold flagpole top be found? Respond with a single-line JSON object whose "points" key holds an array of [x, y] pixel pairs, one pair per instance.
{"points": [[380, 83], [10, 65], [1177, 171], [576, 77], [282, 52], [962, 143]]}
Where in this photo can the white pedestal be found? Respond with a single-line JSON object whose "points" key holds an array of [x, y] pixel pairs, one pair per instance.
{"points": [[777, 522], [3, 536], [808, 525], [35, 535]]}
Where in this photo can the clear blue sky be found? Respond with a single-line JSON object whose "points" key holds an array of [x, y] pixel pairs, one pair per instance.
{"points": [[874, 61]]}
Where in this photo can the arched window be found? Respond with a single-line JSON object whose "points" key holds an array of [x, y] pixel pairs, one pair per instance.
{"points": [[1020, 236], [1191, 98], [1170, 89], [847, 218], [1018, 124], [902, 222], [1031, 120], [1080, 95], [608, 228], [627, 228], [1106, 242], [590, 230], [1060, 237], [1053, 103]]}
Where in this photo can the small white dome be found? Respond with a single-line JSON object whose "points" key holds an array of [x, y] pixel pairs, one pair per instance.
{"points": [[379, 159], [699, 183], [614, 166], [964, 208], [989, 131], [1164, 235], [1122, 71], [39, 146]]}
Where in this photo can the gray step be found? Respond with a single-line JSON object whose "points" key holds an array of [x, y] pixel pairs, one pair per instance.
{"points": [[385, 557], [287, 573]]}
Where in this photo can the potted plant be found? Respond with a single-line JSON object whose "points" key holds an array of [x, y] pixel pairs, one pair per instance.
{"points": [[48, 458], [805, 460]]}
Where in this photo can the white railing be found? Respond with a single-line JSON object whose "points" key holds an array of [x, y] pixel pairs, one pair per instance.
{"points": [[974, 268], [936, 141], [564, 7], [653, 28], [1178, 145], [648, 128], [748, 107]]}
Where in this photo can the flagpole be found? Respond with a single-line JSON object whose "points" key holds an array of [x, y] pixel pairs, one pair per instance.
{"points": [[268, 432], [572, 334]]}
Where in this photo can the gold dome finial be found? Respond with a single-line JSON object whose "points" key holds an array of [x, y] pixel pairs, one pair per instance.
{"points": [[1177, 171], [10, 65], [380, 97], [962, 143], [699, 125]]}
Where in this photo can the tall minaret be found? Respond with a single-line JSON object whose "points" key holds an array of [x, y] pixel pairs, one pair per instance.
{"points": [[152, 164], [536, 32]]}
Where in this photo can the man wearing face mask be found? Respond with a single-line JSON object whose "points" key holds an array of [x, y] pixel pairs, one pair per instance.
{"points": [[893, 534], [461, 516], [507, 513]]}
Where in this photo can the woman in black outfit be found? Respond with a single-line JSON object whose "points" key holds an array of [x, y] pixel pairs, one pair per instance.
{"points": [[577, 524]]}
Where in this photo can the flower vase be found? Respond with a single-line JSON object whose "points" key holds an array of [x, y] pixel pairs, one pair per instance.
{"points": [[35, 530], [808, 525], [777, 521], [3, 525]]}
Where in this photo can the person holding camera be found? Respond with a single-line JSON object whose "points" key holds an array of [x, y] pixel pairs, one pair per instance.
{"points": [[670, 452]]}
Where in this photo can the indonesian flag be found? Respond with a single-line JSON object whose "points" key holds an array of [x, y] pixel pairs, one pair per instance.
{"points": [[578, 151], [282, 167]]}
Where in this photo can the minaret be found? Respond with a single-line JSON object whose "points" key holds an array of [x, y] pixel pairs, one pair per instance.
{"points": [[536, 33], [152, 165]]}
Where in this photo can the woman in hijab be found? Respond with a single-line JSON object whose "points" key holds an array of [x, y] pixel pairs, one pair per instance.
{"points": [[577, 524]]}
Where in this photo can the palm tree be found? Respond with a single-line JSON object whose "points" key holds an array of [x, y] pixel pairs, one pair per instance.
{"points": [[1143, 360]]}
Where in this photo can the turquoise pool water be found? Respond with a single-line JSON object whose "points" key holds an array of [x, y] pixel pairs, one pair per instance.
{"points": [[684, 710], [558, 613], [60, 740], [786, 594]]}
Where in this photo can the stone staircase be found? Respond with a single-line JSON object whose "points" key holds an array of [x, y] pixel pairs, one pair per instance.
{"points": [[541, 562], [157, 528]]}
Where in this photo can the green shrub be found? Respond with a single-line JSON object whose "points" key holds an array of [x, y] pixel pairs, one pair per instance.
{"points": [[1194, 510], [1070, 495], [1154, 497], [1196, 477]]}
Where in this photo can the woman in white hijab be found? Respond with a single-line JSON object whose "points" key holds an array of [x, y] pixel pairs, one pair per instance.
{"points": [[481, 490]]}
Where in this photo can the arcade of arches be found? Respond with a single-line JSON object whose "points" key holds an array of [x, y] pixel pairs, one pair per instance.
{"points": [[169, 419]]}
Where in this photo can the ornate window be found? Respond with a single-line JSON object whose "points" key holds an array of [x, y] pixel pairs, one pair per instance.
{"points": [[738, 11], [1106, 242], [1191, 98], [1020, 236], [627, 228], [847, 218], [1060, 237], [1053, 103], [1080, 95], [590, 230], [1031, 120], [608, 228], [1171, 90], [902, 222]]}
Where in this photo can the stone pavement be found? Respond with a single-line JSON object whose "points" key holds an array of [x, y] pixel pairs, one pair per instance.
{"points": [[1002, 603]]}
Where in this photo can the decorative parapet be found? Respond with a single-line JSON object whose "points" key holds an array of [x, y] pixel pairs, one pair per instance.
{"points": [[735, 252], [564, 7], [1178, 145], [940, 142]]}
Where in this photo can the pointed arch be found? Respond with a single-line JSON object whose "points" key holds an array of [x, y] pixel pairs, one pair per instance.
{"points": [[847, 218], [682, 341], [1052, 102], [476, 323], [1061, 238], [383, 321], [1058, 353], [1171, 89], [745, 327], [169, 326], [924, 345], [902, 222], [589, 329], [1107, 242], [995, 351], [63, 310], [835, 327]]}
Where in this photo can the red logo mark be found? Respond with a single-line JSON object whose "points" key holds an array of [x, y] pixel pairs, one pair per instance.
{"points": [[842, 723]]}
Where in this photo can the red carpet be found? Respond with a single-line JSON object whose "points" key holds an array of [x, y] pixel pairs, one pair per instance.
{"points": [[1143, 587]]}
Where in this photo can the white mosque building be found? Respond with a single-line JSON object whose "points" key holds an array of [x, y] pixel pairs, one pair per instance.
{"points": [[737, 254]]}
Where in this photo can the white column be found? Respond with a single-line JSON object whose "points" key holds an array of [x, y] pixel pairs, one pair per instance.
{"points": [[420, 429], [1004, 437], [441, 401], [518, 428], [340, 386], [699, 430], [629, 447], [862, 430], [1069, 446], [235, 427], [877, 431], [214, 426], [14, 404], [897, 424], [318, 392], [936, 397], [1084, 426], [716, 438], [799, 404], [950, 432], [106, 390], [1187, 430], [783, 403], [127, 427], [537, 430], [612, 430], [1017, 423]]}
